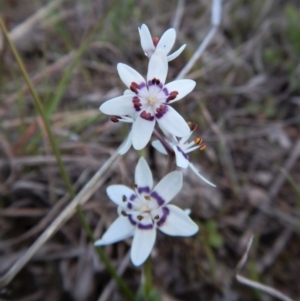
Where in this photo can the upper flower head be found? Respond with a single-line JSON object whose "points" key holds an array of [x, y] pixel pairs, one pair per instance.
{"points": [[148, 101], [165, 43], [143, 209], [181, 148]]}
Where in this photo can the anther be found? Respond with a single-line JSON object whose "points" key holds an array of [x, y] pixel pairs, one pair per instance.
{"points": [[139, 217], [135, 185], [155, 41], [123, 213], [202, 146], [193, 126], [134, 87], [146, 115], [147, 197], [115, 119], [198, 141], [172, 96], [161, 109], [124, 198], [156, 217]]}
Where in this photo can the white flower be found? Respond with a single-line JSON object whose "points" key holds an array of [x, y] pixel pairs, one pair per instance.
{"points": [[166, 42], [181, 148], [148, 101], [144, 209]]}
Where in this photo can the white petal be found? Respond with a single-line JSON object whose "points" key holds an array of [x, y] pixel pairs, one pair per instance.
{"points": [[169, 186], [129, 75], [200, 176], [116, 193], [121, 105], [126, 145], [158, 66], [182, 86], [178, 223], [159, 147], [174, 55], [146, 40], [167, 40], [142, 130], [120, 229], [183, 140], [129, 92], [143, 174], [187, 211], [142, 245], [173, 123], [181, 160]]}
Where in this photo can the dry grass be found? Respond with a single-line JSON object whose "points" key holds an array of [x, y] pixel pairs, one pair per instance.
{"points": [[247, 106]]}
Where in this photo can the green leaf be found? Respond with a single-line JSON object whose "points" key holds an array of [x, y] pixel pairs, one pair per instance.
{"points": [[214, 238]]}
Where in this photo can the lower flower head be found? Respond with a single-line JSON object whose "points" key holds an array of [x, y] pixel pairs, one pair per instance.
{"points": [[143, 209]]}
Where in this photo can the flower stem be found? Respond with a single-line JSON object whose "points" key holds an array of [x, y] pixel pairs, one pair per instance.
{"points": [[169, 150], [62, 169], [167, 147], [148, 277]]}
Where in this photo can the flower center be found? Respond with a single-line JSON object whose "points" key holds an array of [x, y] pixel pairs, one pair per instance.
{"points": [[145, 209], [151, 100]]}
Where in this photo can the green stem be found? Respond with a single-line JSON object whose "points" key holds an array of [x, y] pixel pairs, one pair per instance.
{"points": [[148, 277], [39, 107], [62, 169]]}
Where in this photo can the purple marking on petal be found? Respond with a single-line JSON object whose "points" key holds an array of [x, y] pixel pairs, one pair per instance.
{"points": [[161, 111], [132, 221], [142, 85], [162, 220], [183, 153], [160, 85], [150, 83], [129, 205], [145, 227], [166, 91], [132, 197], [145, 189], [160, 201]]}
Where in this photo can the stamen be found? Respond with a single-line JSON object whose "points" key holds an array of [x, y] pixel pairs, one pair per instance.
{"points": [[135, 185], [160, 111], [139, 217], [172, 96], [155, 41], [198, 140], [134, 87], [202, 146], [124, 198], [115, 119], [147, 197], [193, 126], [136, 103], [123, 213], [147, 116], [156, 217]]}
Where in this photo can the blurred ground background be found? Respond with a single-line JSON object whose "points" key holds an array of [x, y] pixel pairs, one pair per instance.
{"points": [[246, 104]]}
